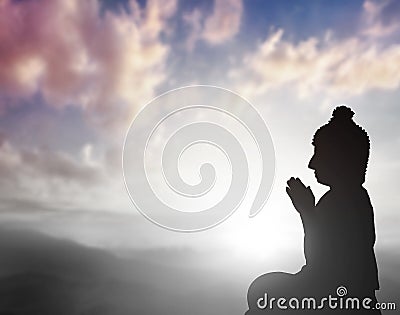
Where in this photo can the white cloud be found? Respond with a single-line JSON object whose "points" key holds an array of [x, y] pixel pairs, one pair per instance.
{"points": [[56, 179], [377, 21], [344, 67]]}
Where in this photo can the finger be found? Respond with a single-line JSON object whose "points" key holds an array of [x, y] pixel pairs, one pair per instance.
{"points": [[297, 184], [301, 184], [289, 192], [291, 181]]}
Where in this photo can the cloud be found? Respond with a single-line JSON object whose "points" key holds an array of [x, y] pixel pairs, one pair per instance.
{"points": [[224, 22], [108, 64], [195, 21], [381, 18], [218, 27], [42, 178], [343, 67]]}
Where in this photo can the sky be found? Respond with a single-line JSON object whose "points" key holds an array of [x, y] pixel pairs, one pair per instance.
{"points": [[73, 75]]}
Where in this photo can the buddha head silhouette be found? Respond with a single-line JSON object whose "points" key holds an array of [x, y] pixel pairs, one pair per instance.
{"points": [[341, 151]]}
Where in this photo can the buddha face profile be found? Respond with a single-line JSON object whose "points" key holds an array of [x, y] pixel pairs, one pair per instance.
{"points": [[341, 151], [324, 166]]}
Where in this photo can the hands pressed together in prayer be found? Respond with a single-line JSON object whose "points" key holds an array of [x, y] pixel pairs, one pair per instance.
{"points": [[302, 197]]}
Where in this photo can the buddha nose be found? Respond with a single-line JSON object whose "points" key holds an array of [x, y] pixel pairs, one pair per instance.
{"points": [[311, 164]]}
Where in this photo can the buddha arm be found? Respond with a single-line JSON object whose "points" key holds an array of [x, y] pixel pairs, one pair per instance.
{"points": [[308, 219]]}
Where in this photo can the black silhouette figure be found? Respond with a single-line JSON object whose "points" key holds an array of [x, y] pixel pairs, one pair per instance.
{"points": [[339, 232]]}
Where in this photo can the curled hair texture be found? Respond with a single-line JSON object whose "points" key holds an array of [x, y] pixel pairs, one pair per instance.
{"points": [[348, 141]]}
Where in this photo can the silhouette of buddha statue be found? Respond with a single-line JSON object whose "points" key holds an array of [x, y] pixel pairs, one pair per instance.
{"points": [[339, 231]]}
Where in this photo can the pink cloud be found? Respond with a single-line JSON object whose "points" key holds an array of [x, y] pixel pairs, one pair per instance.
{"points": [[224, 23], [218, 27], [109, 65]]}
